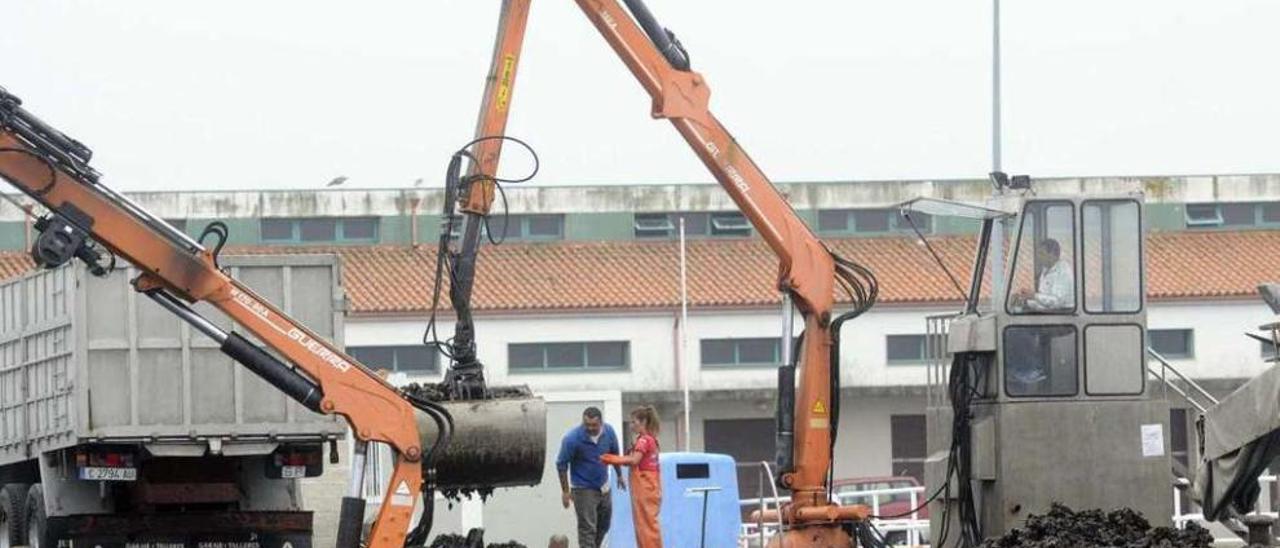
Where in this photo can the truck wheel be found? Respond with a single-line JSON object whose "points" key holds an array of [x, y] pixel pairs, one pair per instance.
{"points": [[13, 517], [37, 519]]}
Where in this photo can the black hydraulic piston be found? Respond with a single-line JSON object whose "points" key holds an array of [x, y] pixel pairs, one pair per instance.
{"points": [[785, 442], [244, 352], [273, 371], [663, 39]]}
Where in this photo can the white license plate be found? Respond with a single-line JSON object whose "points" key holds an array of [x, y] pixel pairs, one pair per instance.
{"points": [[109, 474], [293, 472]]}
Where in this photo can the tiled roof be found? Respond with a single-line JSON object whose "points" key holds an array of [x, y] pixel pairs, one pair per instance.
{"points": [[731, 273]]}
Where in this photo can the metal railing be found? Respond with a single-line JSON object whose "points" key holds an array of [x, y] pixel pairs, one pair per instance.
{"points": [[760, 530], [913, 526], [1265, 506], [937, 361], [1193, 393]]}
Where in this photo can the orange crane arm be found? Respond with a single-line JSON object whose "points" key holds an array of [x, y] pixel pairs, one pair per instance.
{"points": [[807, 269], [52, 169], [495, 107]]}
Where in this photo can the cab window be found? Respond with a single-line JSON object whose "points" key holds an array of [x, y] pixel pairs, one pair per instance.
{"points": [[1112, 242], [1043, 280]]}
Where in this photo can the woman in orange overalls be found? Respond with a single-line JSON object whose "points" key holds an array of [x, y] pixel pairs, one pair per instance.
{"points": [[646, 483]]}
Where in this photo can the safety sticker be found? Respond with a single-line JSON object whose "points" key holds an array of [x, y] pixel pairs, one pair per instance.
{"points": [[402, 497], [504, 81], [818, 408]]}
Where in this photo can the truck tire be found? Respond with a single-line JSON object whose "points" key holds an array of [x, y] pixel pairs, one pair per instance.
{"points": [[37, 519], [13, 515]]}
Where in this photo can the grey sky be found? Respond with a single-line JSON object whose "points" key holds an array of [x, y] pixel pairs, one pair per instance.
{"points": [[243, 95]]}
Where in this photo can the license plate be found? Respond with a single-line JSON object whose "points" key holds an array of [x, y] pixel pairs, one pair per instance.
{"points": [[109, 474], [293, 472]]}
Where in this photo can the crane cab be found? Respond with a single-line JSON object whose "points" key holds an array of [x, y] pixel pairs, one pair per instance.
{"points": [[1045, 367]]}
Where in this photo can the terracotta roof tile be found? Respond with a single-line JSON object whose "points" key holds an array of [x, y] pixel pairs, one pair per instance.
{"points": [[729, 273]]}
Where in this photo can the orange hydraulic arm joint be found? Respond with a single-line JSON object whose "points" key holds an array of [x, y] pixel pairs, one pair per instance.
{"points": [[89, 221], [808, 271], [474, 195]]}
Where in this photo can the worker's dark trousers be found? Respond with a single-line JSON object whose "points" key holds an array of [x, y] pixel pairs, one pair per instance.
{"points": [[594, 512]]}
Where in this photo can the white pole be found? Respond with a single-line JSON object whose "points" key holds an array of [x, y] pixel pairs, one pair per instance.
{"points": [[997, 160], [996, 137], [684, 335]]}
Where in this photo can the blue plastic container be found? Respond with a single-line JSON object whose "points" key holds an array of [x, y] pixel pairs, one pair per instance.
{"points": [[685, 479]]}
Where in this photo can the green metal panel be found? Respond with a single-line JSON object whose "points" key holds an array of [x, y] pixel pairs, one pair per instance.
{"points": [[956, 225], [12, 235], [242, 231], [599, 226], [810, 217], [394, 230], [1166, 217]]}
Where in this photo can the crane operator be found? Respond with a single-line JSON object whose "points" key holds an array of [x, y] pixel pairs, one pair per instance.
{"points": [[1055, 291]]}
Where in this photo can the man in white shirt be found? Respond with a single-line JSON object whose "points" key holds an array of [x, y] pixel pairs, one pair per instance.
{"points": [[1056, 290]]}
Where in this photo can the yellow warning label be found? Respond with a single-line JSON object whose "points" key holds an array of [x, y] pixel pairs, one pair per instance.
{"points": [[504, 81], [818, 408]]}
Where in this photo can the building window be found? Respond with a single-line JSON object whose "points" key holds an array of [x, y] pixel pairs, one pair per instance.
{"points": [[1232, 215], [414, 359], [277, 229], [526, 227], [1174, 344], [320, 229], [871, 221], [696, 225], [655, 225], [741, 352], [909, 349], [603, 355], [907, 446], [730, 224]]}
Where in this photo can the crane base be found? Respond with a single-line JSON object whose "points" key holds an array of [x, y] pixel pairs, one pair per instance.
{"points": [[818, 536]]}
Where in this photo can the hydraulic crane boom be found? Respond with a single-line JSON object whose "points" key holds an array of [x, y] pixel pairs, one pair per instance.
{"points": [[437, 439], [808, 271]]}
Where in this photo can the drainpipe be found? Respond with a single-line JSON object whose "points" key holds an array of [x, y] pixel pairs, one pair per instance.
{"points": [[26, 225], [413, 221]]}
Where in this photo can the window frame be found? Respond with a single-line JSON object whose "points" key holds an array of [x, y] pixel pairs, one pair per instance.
{"points": [[339, 230], [655, 232], [1191, 342], [737, 362], [897, 222], [1082, 296], [924, 349], [1017, 260], [1004, 365], [517, 229], [584, 354], [1083, 360], [732, 228], [434, 368]]}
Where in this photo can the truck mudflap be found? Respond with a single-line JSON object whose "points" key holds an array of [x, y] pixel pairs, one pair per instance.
{"points": [[185, 530]]}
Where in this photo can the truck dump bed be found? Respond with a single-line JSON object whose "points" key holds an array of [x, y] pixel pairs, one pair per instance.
{"points": [[89, 360]]}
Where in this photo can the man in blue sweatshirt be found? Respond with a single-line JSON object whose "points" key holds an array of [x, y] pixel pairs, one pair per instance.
{"points": [[584, 480]]}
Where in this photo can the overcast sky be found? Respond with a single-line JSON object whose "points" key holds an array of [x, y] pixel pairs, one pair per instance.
{"points": [[241, 94]]}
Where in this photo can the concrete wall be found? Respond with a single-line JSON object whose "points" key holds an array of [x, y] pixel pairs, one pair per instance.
{"points": [[1221, 349], [250, 204]]}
